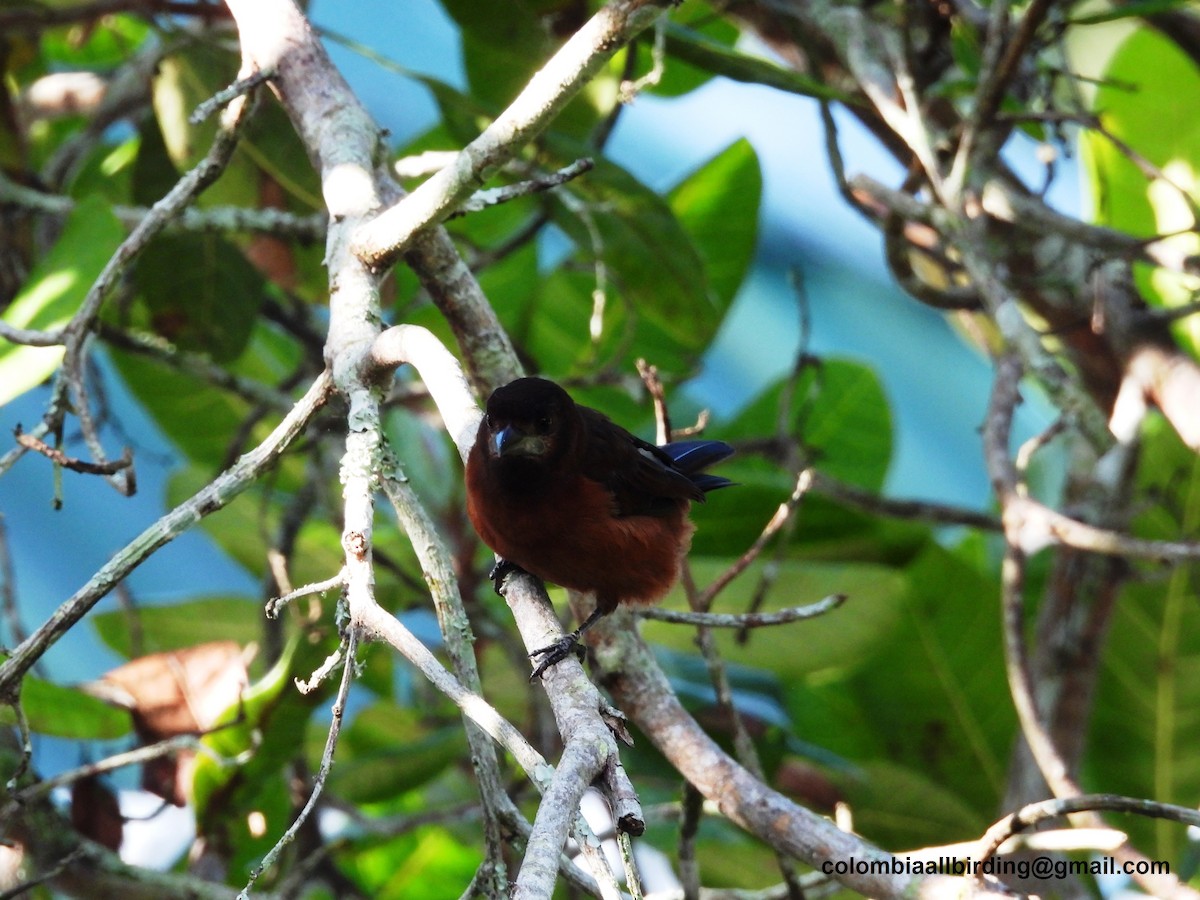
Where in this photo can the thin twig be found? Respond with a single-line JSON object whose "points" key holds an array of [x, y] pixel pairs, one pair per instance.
{"points": [[8, 590], [1036, 813], [25, 887], [654, 385], [691, 810], [385, 237], [134, 757], [278, 603], [774, 524], [29, 442], [482, 200], [331, 740], [222, 97], [742, 620]]}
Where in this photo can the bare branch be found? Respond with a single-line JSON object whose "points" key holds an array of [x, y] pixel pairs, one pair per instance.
{"points": [[56, 456], [481, 200], [742, 620], [382, 240], [1037, 813], [207, 500]]}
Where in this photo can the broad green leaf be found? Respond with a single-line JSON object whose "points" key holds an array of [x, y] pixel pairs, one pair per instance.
{"points": [[106, 43], [908, 807], [186, 79], [839, 641], [841, 414], [1148, 81], [66, 712], [718, 206], [698, 22], [271, 144], [201, 293], [369, 768], [246, 526], [700, 51], [1134, 8], [934, 691], [183, 624], [54, 292], [1145, 727], [154, 174], [427, 864], [731, 858], [202, 420], [655, 271]]}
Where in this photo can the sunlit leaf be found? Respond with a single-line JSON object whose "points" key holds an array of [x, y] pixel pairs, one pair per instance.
{"points": [[718, 206], [66, 712], [1148, 80], [180, 625], [54, 292]]}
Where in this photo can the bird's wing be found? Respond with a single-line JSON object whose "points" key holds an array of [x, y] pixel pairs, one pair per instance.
{"points": [[640, 476]]}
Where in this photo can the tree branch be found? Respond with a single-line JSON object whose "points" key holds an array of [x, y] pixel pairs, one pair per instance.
{"points": [[381, 241], [207, 500]]}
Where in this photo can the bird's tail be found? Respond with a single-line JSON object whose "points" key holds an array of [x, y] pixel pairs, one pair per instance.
{"points": [[692, 457]]}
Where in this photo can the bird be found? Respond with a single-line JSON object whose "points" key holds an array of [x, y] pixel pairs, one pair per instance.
{"points": [[559, 490]]}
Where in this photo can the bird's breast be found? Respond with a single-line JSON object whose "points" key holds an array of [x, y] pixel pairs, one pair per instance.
{"points": [[566, 531]]}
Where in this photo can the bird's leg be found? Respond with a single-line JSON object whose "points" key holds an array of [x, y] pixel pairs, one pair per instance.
{"points": [[564, 646], [500, 571]]}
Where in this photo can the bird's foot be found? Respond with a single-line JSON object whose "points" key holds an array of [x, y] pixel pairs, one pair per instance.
{"points": [[500, 571], [555, 653]]}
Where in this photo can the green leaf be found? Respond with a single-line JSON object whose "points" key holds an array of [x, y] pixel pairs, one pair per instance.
{"points": [[186, 79], [1147, 82], [369, 768], [837, 641], [718, 206], [106, 43], [908, 806], [153, 172], [1132, 9], [54, 292], [840, 412], [267, 725], [66, 712], [201, 420], [656, 276], [179, 625], [1145, 729], [695, 22], [201, 293], [932, 690], [427, 864]]}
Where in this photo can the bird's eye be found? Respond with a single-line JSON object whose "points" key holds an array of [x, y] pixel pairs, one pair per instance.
{"points": [[544, 424], [490, 420]]}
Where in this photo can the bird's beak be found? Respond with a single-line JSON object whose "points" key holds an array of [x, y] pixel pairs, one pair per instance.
{"points": [[512, 441]]}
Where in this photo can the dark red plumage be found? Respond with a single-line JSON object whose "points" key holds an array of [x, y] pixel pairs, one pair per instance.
{"points": [[565, 494]]}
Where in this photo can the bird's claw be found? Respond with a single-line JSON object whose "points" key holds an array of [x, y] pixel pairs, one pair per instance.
{"points": [[555, 653], [500, 571]]}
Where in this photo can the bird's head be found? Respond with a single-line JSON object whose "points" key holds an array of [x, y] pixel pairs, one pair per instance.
{"points": [[527, 419]]}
